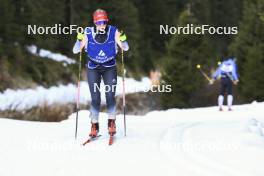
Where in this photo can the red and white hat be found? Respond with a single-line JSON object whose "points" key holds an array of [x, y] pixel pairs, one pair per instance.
{"points": [[100, 15]]}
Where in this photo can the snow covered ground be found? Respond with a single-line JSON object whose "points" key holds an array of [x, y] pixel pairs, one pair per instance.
{"points": [[188, 142], [63, 94]]}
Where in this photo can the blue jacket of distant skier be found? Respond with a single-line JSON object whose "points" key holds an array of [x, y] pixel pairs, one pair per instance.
{"points": [[227, 69], [101, 53]]}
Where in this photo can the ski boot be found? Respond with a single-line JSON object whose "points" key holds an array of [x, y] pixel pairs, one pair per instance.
{"points": [[220, 108], [111, 127], [94, 130], [111, 130]]}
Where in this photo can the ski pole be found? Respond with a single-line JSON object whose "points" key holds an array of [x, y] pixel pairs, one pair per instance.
{"points": [[203, 73], [124, 95], [78, 94]]}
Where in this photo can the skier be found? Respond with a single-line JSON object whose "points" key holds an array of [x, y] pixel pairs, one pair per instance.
{"points": [[227, 71], [101, 43]]}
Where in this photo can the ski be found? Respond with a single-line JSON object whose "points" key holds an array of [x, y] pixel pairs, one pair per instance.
{"points": [[91, 139], [111, 140]]}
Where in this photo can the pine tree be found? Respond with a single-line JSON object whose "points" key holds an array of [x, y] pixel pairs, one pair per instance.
{"points": [[227, 14], [7, 24], [184, 52], [249, 49]]}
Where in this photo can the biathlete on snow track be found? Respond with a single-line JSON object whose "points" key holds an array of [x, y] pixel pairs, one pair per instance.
{"points": [[101, 43], [227, 72]]}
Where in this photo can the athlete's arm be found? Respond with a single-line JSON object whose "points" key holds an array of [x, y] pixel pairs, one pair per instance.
{"points": [[79, 45], [123, 45], [234, 72]]}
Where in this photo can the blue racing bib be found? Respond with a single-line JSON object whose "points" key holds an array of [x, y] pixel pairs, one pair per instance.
{"points": [[101, 52]]}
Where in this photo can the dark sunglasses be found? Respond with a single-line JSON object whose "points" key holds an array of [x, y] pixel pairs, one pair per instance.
{"points": [[101, 23]]}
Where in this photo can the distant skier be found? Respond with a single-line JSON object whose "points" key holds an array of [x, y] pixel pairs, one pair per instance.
{"points": [[227, 71], [101, 44]]}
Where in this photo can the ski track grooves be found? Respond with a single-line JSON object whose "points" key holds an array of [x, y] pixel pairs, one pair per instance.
{"points": [[197, 163]]}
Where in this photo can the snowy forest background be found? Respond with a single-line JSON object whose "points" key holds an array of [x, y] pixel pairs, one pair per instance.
{"points": [[175, 55]]}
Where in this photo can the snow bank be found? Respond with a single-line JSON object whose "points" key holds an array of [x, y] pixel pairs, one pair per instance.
{"points": [[63, 94], [50, 55]]}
